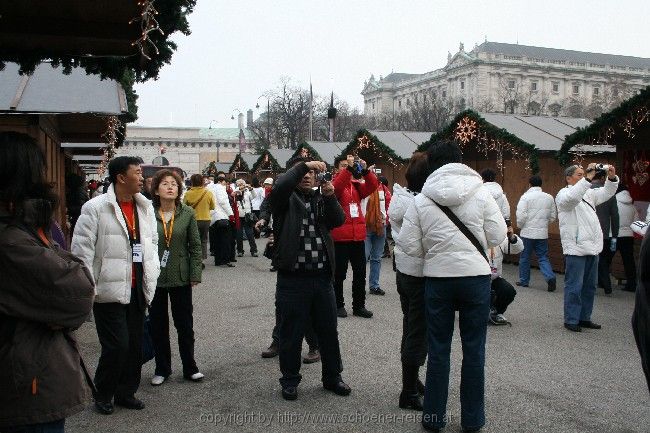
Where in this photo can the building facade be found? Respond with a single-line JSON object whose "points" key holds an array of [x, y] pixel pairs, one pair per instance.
{"points": [[511, 78]]}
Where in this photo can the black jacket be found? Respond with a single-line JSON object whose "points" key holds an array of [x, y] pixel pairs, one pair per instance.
{"points": [[641, 315], [288, 209]]}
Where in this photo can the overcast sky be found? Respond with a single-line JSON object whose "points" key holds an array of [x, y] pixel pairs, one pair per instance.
{"points": [[240, 49]]}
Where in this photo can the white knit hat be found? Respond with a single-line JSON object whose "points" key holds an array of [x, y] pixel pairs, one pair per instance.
{"points": [[268, 180]]}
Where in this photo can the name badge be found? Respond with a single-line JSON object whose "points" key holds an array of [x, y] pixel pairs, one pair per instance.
{"points": [[494, 272], [165, 257], [354, 210], [137, 253]]}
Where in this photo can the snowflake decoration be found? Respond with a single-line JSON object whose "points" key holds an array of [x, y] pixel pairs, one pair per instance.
{"points": [[466, 130]]}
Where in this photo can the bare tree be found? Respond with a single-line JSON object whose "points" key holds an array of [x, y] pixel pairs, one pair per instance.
{"points": [[509, 92], [486, 105]]}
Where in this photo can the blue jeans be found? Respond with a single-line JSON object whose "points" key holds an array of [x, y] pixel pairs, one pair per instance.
{"points": [[374, 251], [46, 427], [579, 288], [540, 247], [471, 297]]}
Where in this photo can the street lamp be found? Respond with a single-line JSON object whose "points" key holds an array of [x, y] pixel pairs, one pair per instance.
{"points": [[212, 121], [232, 117], [268, 117]]}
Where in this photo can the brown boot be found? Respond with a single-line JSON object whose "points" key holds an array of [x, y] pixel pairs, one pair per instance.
{"points": [[271, 352], [311, 357]]}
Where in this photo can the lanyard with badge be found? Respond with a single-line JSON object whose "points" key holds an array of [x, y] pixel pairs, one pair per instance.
{"points": [[354, 207], [136, 247], [168, 236], [494, 271]]}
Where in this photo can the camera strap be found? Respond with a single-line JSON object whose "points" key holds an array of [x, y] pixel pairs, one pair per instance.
{"points": [[463, 228], [589, 204]]}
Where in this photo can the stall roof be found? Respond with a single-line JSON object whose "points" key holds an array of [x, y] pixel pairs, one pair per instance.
{"points": [[403, 143], [281, 156], [328, 150], [249, 159]]}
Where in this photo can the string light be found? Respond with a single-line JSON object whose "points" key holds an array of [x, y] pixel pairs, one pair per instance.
{"points": [[364, 142], [111, 136], [148, 24]]}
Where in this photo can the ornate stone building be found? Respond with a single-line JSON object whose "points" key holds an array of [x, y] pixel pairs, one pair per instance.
{"points": [[511, 78]]}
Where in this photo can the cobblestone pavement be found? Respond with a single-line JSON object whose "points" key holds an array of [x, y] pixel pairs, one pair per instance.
{"points": [[539, 377]]}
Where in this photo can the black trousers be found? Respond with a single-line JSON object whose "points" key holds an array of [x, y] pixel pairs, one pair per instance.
{"points": [[503, 293], [310, 335], [355, 253], [181, 306], [414, 325], [119, 328], [604, 264], [625, 245], [298, 298], [220, 244], [248, 228], [204, 229]]}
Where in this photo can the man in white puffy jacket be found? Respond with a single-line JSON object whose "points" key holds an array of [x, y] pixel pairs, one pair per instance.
{"points": [[489, 177], [535, 211], [457, 278], [221, 233], [582, 241], [116, 236]]}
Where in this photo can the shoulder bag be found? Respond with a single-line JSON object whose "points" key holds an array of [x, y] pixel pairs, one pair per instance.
{"points": [[463, 228]]}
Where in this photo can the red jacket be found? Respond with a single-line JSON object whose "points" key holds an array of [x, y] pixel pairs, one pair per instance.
{"points": [[350, 191]]}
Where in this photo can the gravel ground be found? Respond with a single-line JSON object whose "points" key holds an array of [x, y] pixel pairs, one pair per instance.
{"points": [[539, 377]]}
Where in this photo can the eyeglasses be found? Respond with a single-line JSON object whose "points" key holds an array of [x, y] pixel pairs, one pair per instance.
{"points": [[172, 184]]}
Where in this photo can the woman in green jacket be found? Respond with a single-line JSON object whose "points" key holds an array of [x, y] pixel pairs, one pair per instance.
{"points": [[179, 250]]}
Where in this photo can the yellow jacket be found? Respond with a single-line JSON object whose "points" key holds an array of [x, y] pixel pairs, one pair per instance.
{"points": [[202, 200]]}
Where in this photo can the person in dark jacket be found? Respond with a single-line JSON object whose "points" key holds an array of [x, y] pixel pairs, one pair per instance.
{"points": [[641, 316], [46, 294], [304, 257], [609, 223], [180, 254]]}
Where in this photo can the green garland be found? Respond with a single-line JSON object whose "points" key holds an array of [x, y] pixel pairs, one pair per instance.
{"points": [[492, 131], [275, 167], [606, 120], [354, 143], [242, 164], [312, 152]]}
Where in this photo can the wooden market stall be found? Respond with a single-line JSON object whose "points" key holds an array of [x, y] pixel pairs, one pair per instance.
{"points": [[270, 163], [325, 151]]}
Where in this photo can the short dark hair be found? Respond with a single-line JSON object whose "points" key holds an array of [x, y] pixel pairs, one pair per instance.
{"points": [[488, 175], [443, 152], [155, 183], [120, 165], [417, 171], [219, 173], [295, 160], [535, 180], [338, 159], [197, 180], [255, 183], [621, 187]]}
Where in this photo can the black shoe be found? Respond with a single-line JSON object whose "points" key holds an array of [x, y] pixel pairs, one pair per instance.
{"points": [[202, 265], [420, 386], [253, 254], [338, 388], [290, 393], [551, 285], [411, 401], [273, 269], [428, 427], [240, 254], [519, 284], [104, 407], [312, 356], [129, 403], [362, 312], [574, 328], [589, 324], [608, 291], [377, 291], [271, 352], [341, 312]]}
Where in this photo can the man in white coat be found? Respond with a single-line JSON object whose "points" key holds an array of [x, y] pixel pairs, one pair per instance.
{"points": [[116, 236], [535, 211], [582, 241]]}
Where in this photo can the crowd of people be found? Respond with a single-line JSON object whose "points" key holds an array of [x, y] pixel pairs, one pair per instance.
{"points": [[143, 244]]}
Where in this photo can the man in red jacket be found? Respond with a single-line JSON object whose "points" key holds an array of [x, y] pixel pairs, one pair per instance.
{"points": [[353, 183]]}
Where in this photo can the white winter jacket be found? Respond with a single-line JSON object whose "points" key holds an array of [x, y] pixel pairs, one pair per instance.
{"points": [[101, 240], [222, 210], [496, 254], [500, 197], [428, 233], [627, 214], [245, 205], [535, 210], [399, 204], [580, 230]]}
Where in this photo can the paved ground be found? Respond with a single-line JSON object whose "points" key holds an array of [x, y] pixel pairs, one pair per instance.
{"points": [[540, 378]]}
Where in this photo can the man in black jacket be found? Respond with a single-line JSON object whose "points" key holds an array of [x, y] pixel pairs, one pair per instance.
{"points": [[304, 257]]}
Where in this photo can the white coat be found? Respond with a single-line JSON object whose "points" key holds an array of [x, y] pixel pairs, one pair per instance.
{"points": [[429, 234], [500, 197], [101, 240], [627, 214], [580, 230], [535, 210], [402, 199], [222, 210], [496, 254]]}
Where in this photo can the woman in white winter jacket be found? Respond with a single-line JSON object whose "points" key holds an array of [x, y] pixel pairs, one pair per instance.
{"points": [[627, 214], [457, 278], [243, 198], [410, 286]]}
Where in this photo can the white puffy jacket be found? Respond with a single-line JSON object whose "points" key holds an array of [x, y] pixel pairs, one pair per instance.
{"points": [[428, 233], [580, 230], [101, 240], [222, 210], [627, 214], [496, 254], [500, 197], [399, 204], [245, 205], [535, 210]]}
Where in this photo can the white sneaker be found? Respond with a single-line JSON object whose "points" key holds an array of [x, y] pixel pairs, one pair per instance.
{"points": [[196, 377], [157, 380]]}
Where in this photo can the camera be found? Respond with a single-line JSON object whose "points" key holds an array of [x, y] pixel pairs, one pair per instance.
{"points": [[325, 176], [601, 167], [357, 168]]}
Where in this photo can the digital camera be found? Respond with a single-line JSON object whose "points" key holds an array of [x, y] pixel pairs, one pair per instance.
{"points": [[601, 167], [324, 176]]}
